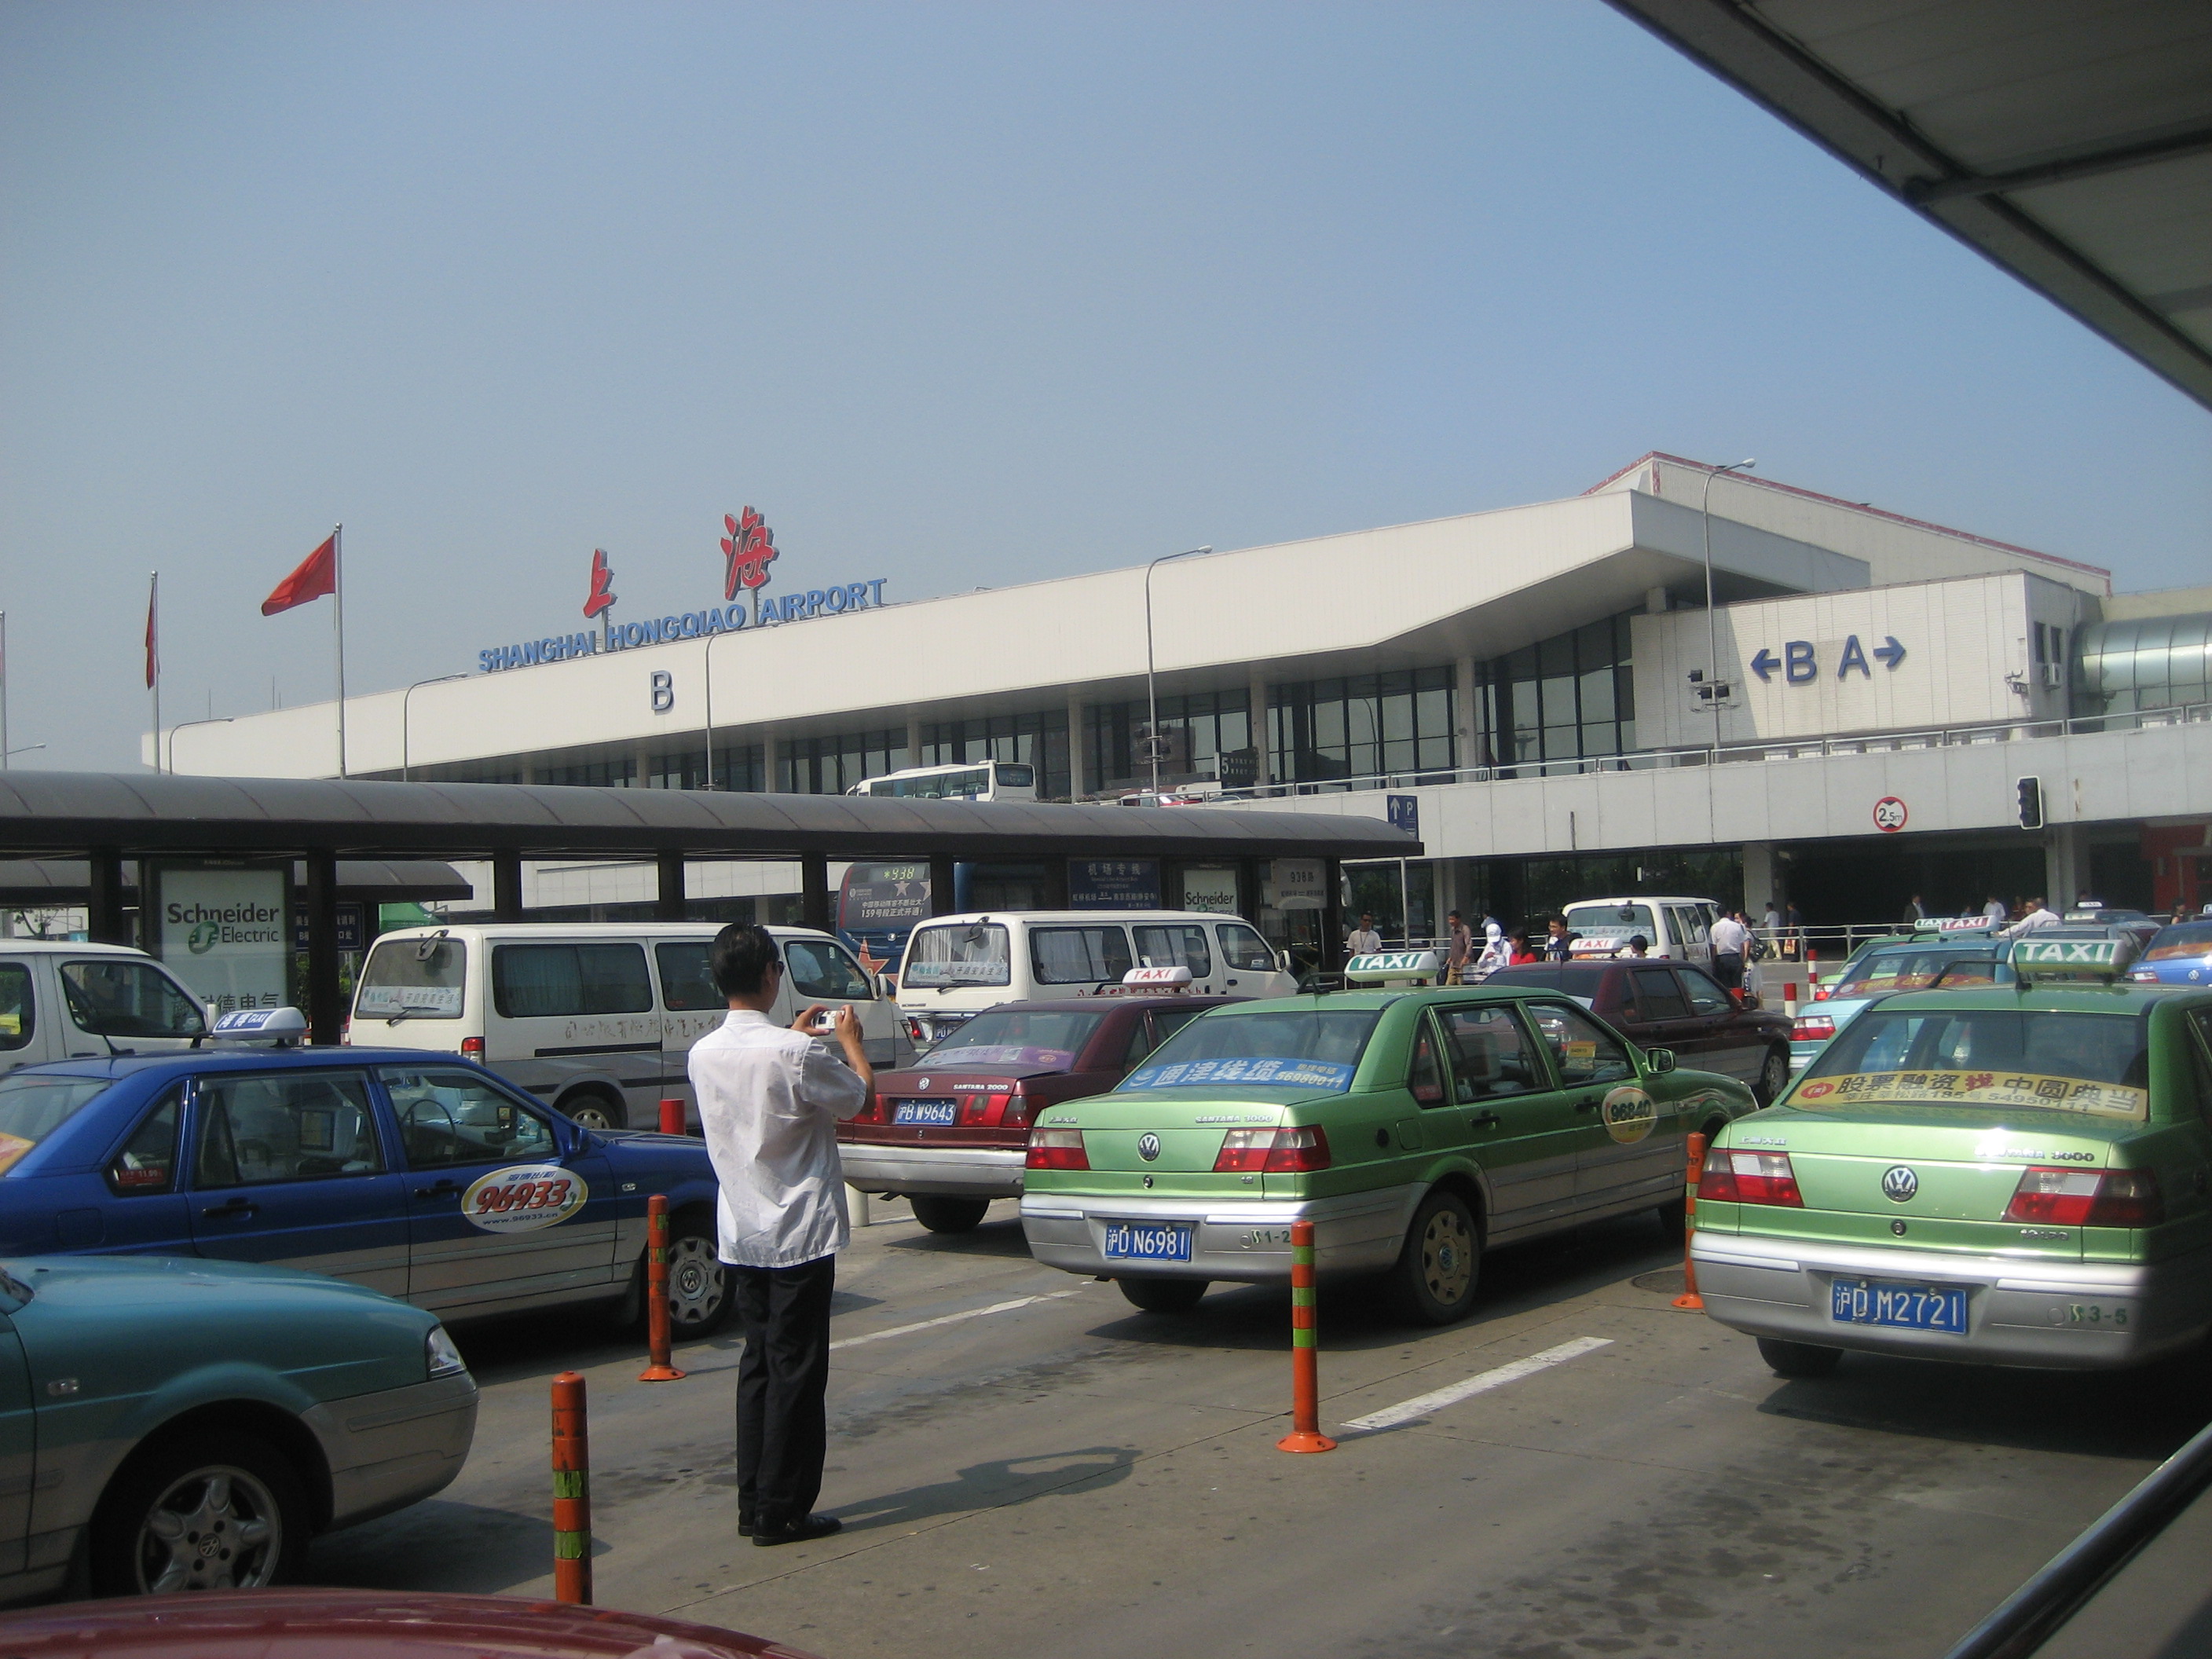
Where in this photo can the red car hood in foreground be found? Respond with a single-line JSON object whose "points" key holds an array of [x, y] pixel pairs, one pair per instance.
{"points": [[345, 1624]]}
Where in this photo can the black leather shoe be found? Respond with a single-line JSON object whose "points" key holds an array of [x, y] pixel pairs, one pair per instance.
{"points": [[797, 1532]]}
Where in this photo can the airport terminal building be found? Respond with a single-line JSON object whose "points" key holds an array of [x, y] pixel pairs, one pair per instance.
{"points": [[1530, 686]]}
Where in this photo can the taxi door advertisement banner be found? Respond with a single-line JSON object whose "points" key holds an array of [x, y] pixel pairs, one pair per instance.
{"points": [[1628, 1113], [523, 1198]]}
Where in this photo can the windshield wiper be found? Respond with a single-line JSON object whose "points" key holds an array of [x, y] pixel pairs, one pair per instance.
{"points": [[404, 1013]]}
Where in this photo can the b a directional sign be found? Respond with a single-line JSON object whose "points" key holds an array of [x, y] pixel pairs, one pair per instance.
{"points": [[1764, 664], [1890, 653]]}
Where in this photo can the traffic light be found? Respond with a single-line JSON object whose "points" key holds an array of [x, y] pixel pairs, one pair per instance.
{"points": [[2031, 802]]}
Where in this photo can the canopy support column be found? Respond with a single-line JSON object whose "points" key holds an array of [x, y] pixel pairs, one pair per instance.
{"points": [[668, 905], [325, 1002], [1332, 916], [507, 886], [104, 904], [943, 898], [814, 891]]}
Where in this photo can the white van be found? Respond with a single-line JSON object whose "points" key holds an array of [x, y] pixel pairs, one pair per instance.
{"points": [[60, 1001], [958, 966], [1678, 927], [596, 1017]]}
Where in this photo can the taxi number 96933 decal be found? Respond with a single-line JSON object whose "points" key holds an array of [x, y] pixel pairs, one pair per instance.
{"points": [[523, 1198]]}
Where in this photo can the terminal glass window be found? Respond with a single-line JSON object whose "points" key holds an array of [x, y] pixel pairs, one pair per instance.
{"points": [[1564, 698], [736, 767], [613, 772], [832, 764], [1362, 726], [1199, 728], [1037, 739]]}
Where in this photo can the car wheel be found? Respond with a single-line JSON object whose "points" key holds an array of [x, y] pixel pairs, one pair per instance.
{"points": [[593, 1111], [949, 1215], [1435, 1278], [1773, 1076], [217, 1511], [700, 1293], [1798, 1358], [1163, 1294]]}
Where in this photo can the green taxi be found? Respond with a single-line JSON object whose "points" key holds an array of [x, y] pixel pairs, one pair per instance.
{"points": [[1413, 1125], [2016, 1175]]}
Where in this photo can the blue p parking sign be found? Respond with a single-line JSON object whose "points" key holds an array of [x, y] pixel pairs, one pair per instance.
{"points": [[1405, 813]]}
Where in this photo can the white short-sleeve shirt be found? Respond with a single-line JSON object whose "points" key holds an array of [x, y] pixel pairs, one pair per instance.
{"points": [[769, 1103]]}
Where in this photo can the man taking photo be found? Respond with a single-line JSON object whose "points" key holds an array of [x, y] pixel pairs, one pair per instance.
{"points": [[769, 1102]]}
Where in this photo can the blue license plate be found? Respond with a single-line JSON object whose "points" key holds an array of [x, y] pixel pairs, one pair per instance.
{"points": [[1147, 1240], [925, 1111], [1916, 1307]]}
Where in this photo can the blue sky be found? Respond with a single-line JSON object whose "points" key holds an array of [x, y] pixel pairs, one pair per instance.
{"points": [[959, 295]]}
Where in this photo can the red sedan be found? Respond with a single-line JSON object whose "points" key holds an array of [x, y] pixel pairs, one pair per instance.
{"points": [[949, 1131]]}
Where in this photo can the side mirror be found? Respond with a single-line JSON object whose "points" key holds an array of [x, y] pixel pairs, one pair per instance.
{"points": [[1658, 1061], [1746, 999]]}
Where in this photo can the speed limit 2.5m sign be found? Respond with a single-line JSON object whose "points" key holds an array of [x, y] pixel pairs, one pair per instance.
{"points": [[1889, 814]]}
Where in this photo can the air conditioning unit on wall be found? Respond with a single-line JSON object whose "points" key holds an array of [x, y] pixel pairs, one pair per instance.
{"points": [[2054, 673]]}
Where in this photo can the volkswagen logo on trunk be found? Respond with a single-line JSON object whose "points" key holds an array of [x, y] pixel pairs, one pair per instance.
{"points": [[1148, 1146], [1899, 1184]]}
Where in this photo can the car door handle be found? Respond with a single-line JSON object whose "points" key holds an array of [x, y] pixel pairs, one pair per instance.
{"points": [[1589, 1105], [239, 1208], [441, 1188], [1484, 1120]]}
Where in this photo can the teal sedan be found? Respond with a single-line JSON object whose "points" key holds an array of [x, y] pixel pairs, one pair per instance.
{"points": [[176, 1424]]}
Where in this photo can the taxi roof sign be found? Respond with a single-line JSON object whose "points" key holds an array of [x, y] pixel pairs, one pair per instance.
{"points": [[2094, 960], [1379, 967], [1178, 974]]}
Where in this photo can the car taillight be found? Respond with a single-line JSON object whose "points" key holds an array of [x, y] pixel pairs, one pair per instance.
{"points": [[1016, 1112], [1056, 1149], [1271, 1152], [913, 1031], [2084, 1198], [1812, 1027], [2144, 975], [345, 1032], [1732, 1177], [877, 1110], [473, 1047]]}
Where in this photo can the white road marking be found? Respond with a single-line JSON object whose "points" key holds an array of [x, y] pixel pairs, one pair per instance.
{"points": [[949, 1319], [1426, 1405]]}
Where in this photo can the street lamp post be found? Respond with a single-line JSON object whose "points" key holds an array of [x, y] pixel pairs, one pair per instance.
{"points": [[1151, 691], [171, 747], [405, 698], [1712, 617]]}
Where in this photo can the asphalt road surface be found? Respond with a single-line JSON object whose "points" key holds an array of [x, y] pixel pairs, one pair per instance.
{"points": [[1027, 1466]]}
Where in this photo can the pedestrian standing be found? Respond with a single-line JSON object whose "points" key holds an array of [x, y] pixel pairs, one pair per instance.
{"points": [[1558, 943], [1496, 953], [1461, 938], [1363, 940], [1995, 910], [1793, 922], [1729, 937], [1914, 911], [769, 1102], [2037, 918], [1523, 949]]}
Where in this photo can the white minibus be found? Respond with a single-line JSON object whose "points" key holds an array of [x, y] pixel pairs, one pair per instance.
{"points": [[61, 1000], [597, 1018], [1677, 927], [991, 780], [958, 966]]}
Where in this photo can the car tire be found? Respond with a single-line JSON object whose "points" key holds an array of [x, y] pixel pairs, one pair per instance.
{"points": [[1798, 1358], [949, 1215], [1163, 1294], [701, 1292], [1773, 1076], [152, 1533], [1440, 1263], [593, 1110]]}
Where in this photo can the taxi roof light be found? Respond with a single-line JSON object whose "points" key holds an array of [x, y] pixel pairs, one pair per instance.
{"points": [[1734, 1178]]}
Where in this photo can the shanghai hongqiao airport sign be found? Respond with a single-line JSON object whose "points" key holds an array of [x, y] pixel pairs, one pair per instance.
{"points": [[748, 549]]}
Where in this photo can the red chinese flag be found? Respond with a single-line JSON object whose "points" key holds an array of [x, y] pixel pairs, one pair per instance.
{"points": [[318, 575]]}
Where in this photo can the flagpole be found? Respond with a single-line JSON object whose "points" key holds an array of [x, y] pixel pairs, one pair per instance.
{"points": [[154, 651], [337, 619]]}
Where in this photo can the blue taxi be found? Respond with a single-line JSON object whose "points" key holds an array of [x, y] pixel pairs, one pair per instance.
{"points": [[415, 1174], [2179, 955]]}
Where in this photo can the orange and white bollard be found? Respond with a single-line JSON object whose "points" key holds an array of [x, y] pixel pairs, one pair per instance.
{"points": [[671, 1117], [659, 1366], [1305, 1435], [1689, 1298], [572, 1492]]}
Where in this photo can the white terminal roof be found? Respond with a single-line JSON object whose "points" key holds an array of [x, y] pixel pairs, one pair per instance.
{"points": [[1475, 586]]}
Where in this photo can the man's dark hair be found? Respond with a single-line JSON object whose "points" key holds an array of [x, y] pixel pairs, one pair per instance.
{"points": [[742, 956]]}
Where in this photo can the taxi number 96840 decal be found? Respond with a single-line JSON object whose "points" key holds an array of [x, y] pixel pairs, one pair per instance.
{"points": [[523, 1198]]}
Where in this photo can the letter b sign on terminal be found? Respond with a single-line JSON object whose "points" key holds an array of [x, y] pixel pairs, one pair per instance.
{"points": [[664, 690]]}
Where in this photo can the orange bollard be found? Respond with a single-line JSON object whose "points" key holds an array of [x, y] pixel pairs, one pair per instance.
{"points": [[1689, 1299], [1305, 1435], [572, 1492], [671, 1117], [657, 1366]]}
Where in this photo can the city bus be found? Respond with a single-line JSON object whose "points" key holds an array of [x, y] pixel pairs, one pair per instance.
{"points": [[991, 780]]}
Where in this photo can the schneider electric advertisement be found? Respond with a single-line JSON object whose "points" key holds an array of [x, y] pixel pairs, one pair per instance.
{"points": [[227, 933]]}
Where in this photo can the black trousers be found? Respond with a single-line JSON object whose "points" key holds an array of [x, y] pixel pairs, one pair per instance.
{"points": [[1728, 968], [782, 1427]]}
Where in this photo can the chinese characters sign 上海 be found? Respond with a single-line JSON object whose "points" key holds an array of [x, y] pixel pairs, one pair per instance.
{"points": [[1114, 884]]}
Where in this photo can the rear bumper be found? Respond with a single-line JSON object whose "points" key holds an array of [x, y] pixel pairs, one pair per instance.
{"points": [[938, 1171], [2073, 1315], [1247, 1242]]}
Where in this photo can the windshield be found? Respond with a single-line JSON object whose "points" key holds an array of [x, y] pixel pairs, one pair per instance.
{"points": [[1880, 972], [1018, 1036], [1622, 919], [970, 953], [2010, 1059], [33, 1107], [420, 978], [115, 996], [2192, 940], [1281, 1048]]}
